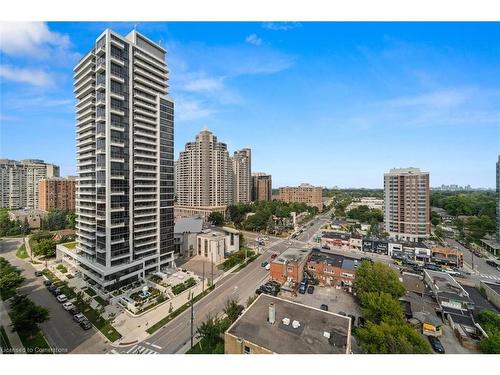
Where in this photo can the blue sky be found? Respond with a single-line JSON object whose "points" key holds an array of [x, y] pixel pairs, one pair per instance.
{"points": [[325, 103]]}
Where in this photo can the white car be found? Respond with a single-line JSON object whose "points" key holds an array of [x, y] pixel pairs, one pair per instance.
{"points": [[67, 306], [62, 298], [268, 266]]}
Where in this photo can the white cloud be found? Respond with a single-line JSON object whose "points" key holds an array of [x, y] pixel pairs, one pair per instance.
{"points": [[203, 84], [281, 26], [253, 39], [33, 77], [191, 109], [436, 99], [30, 38]]}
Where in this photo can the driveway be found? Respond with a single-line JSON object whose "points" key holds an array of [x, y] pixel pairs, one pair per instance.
{"points": [[61, 332]]}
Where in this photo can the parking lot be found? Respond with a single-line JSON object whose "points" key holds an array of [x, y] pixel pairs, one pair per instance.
{"points": [[336, 299]]}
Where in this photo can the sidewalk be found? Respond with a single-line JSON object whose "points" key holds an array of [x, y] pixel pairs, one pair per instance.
{"points": [[15, 341]]}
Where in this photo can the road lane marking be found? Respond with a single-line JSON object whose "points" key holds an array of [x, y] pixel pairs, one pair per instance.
{"points": [[156, 346]]}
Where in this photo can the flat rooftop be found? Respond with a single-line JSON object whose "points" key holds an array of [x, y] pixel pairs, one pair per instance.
{"points": [[311, 337], [292, 254], [495, 287], [335, 260], [445, 284]]}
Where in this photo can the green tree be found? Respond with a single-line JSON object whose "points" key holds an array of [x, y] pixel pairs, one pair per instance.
{"points": [[381, 307], [46, 248], [438, 232], [26, 315], [216, 218], [490, 322], [10, 278], [209, 331], [377, 277], [385, 338], [232, 309], [490, 345], [70, 221]]}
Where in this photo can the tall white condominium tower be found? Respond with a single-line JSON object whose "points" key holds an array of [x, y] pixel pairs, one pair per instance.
{"points": [[204, 174], [242, 175], [19, 182], [407, 205], [125, 135]]}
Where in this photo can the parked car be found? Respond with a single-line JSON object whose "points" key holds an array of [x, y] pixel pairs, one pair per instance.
{"points": [[275, 284], [436, 344], [432, 267], [267, 289], [353, 319], [273, 256], [85, 324], [38, 273], [61, 298], [79, 317], [303, 286], [268, 266], [324, 307], [492, 263], [310, 289], [47, 283], [325, 247], [342, 313], [264, 263], [67, 306], [74, 310], [56, 291]]}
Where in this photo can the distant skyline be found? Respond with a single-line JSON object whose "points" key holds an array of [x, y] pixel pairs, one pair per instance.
{"points": [[331, 104]]}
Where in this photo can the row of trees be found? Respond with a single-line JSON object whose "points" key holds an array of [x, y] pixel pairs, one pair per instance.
{"points": [[386, 331], [12, 227], [59, 219], [10, 279]]}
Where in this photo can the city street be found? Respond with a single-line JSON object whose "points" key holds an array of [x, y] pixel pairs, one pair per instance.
{"points": [[482, 270], [61, 332]]}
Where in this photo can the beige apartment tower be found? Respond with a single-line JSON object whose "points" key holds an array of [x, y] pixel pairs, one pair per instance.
{"points": [[407, 204], [56, 193], [19, 182], [262, 187], [305, 193], [204, 177], [242, 175]]}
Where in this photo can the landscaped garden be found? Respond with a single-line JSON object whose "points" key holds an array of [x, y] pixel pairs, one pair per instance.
{"points": [[181, 287], [21, 252], [236, 258]]}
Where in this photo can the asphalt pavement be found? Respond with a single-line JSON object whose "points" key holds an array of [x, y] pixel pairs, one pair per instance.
{"points": [[61, 332]]}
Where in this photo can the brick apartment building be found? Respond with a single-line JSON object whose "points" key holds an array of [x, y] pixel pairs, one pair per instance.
{"points": [[56, 193], [305, 193], [289, 266], [447, 256], [332, 269]]}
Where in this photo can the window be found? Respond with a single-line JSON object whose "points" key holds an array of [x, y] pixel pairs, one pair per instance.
{"points": [[247, 350]]}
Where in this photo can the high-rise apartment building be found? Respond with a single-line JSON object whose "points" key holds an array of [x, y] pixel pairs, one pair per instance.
{"points": [[305, 193], [19, 182], [242, 175], [125, 131], [498, 200], [56, 193], [204, 176], [262, 188], [407, 204]]}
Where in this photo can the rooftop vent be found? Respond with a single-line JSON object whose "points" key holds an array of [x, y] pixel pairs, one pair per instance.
{"points": [[286, 321], [295, 324], [272, 314], [326, 334]]}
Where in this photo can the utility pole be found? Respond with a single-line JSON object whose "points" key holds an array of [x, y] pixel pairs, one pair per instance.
{"points": [[192, 319], [212, 256]]}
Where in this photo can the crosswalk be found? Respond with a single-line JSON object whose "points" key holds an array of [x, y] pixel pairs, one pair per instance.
{"points": [[491, 277], [137, 349]]}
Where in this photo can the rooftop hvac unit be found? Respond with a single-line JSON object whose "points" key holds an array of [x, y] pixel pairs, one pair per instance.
{"points": [[272, 313], [286, 321], [295, 324]]}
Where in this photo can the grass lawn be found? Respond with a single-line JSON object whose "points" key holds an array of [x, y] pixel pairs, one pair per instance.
{"points": [[70, 245], [21, 252], [100, 323], [101, 301], [155, 327], [90, 292], [35, 344], [62, 268], [4, 341], [202, 348]]}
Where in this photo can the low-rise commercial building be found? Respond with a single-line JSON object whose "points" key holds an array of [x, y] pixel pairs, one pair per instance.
{"points": [[204, 212], [274, 325], [332, 269], [370, 202], [289, 266], [185, 232], [211, 246], [447, 256], [336, 239]]}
